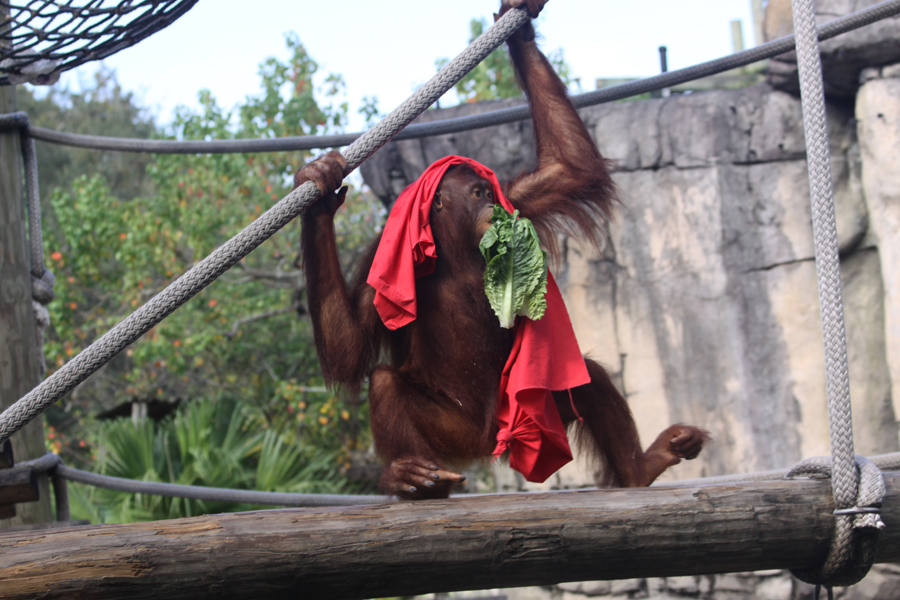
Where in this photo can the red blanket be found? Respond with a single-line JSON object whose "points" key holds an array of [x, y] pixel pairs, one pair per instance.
{"points": [[545, 354]]}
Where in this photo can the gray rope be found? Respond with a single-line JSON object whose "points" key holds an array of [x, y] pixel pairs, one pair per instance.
{"points": [[206, 271], [33, 197], [60, 493], [213, 494], [771, 49], [42, 464], [828, 266], [848, 559], [42, 279], [51, 464]]}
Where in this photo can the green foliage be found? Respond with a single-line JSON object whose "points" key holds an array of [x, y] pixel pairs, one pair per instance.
{"points": [[100, 107], [323, 420], [494, 77], [288, 104], [369, 110], [206, 443]]}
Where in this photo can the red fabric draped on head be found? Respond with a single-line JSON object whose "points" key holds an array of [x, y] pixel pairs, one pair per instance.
{"points": [[545, 354]]}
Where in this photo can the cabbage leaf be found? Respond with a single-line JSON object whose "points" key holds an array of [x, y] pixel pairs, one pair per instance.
{"points": [[515, 279]]}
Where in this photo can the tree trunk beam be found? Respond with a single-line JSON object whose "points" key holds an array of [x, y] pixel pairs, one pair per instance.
{"points": [[462, 543]]}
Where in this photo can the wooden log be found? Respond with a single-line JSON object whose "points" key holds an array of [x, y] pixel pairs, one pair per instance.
{"points": [[462, 543], [18, 485]]}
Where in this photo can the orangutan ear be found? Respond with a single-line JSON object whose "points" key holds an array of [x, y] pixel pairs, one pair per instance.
{"points": [[437, 204]]}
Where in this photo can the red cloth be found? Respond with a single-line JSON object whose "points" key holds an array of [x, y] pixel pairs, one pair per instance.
{"points": [[545, 354]]}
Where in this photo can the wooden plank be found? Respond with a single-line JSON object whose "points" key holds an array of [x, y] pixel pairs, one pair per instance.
{"points": [[18, 485], [19, 367], [462, 543]]}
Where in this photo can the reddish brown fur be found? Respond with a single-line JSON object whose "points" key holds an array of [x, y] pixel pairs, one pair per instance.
{"points": [[433, 403]]}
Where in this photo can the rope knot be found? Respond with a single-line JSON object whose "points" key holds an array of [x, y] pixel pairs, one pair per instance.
{"points": [[42, 287], [855, 539]]}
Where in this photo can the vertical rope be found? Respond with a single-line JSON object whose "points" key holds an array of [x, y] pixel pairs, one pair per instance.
{"points": [[60, 494], [828, 268], [33, 197], [847, 561]]}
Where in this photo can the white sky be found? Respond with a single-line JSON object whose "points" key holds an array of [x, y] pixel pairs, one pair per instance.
{"points": [[388, 48]]}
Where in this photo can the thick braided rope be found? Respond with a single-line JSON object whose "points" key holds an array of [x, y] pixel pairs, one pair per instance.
{"points": [[838, 568], [861, 18], [206, 271]]}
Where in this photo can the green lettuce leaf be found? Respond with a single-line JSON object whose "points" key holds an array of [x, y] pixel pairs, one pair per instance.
{"points": [[515, 279]]}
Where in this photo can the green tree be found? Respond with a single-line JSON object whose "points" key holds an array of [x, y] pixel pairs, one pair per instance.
{"points": [[494, 77], [99, 107]]}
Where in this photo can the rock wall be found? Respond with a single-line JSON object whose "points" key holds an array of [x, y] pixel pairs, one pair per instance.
{"points": [[842, 57], [878, 122], [703, 302]]}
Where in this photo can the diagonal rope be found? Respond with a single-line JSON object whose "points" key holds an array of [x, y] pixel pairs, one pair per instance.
{"points": [[206, 271], [861, 18], [847, 561]]}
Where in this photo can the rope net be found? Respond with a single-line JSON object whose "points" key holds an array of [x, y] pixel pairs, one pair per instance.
{"points": [[39, 39]]}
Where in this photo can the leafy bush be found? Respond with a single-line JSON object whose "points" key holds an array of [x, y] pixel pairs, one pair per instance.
{"points": [[207, 443]]}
